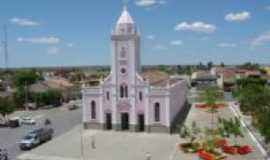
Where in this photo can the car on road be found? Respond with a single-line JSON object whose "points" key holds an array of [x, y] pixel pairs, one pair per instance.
{"points": [[27, 120], [48, 107], [36, 138], [14, 122], [3, 123], [72, 107], [3, 154]]}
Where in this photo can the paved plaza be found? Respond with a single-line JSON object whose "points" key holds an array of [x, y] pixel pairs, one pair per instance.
{"points": [[62, 121], [111, 145]]}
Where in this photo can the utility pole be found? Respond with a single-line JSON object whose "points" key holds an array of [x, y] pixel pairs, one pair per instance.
{"points": [[5, 46], [26, 96]]}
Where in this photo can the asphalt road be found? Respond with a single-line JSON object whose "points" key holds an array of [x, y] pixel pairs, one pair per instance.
{"points": [[61, 118]]}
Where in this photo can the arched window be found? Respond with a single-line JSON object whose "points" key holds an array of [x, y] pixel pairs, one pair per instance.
{"points": [[108, 95], [93, 110], [126, 91], [123, 91], [157, 112], [140, 96]]}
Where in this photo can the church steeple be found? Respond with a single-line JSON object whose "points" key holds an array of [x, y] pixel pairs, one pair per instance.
{"points": [[125, 17], [125, 23], [125, 50]]}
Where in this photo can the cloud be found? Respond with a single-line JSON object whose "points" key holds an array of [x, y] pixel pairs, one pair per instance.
{"points": [[40, 40], [177, 43], [148, 3], [226, 45], [69, 45], [237, 17], [261, 39], [24, 22], [160, 47], [267, 8], [53, 50], [163, 2], [195, 27], [151, 37]]}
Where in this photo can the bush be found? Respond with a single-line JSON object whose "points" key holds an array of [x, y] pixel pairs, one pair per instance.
{"points": [[50, 97]]}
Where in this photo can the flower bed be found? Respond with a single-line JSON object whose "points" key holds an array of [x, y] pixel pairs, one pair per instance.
{"points": [[205, 155], [216, 106], [230, 150], [189, 147], [245, 149], [242, 150], [220, 143]]}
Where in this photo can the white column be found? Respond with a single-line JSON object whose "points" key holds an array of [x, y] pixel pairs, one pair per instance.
{"points": [[101, 114], [147, 106], [84, 113], [114, 104], [133, 111], [167, 110]]}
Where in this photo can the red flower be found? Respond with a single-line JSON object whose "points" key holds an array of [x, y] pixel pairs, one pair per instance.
{"points": [[220, 143], [200, 105], [245, 149], [205, 155], [229, 149]]}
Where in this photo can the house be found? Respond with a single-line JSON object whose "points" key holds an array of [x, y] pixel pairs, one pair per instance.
{"points": [[202, 79], [227, 76], [129, 99]]}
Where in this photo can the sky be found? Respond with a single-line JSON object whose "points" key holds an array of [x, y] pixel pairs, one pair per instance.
{"points": [[77, 32]]}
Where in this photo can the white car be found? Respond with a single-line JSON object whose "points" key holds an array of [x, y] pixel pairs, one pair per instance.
{"points": [[27, 120]]}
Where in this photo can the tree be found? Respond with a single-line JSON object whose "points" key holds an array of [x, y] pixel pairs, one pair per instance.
{"points": [[6, 107], [255, 100], [264, 125], [209, 65], [51, 97], [210, 96], [222, 64], [23, 78], [250, 66], [243, 82], [230, 127]]}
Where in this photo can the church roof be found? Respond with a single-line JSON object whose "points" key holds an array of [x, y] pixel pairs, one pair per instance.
{"points": [[125, 17], [158, 78]]}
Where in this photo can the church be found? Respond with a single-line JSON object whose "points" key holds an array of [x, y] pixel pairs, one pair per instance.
{"points": [[129, 99]]}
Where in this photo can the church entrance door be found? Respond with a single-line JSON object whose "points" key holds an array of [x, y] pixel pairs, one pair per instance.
{"points": [[124, 121], [141, 122], [108, 121]]}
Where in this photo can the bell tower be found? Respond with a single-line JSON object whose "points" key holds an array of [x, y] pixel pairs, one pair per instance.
{"points": [[125, 54]]}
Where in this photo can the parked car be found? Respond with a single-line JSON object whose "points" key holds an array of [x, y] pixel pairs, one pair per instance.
{"points": [[32, 106], [3, 124], [73, 107], [27, 120], [14, 122], [3, 154], [48, 107], [36, 138]]}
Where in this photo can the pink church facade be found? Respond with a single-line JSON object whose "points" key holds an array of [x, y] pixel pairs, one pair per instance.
{"points": [[129, 99]]}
